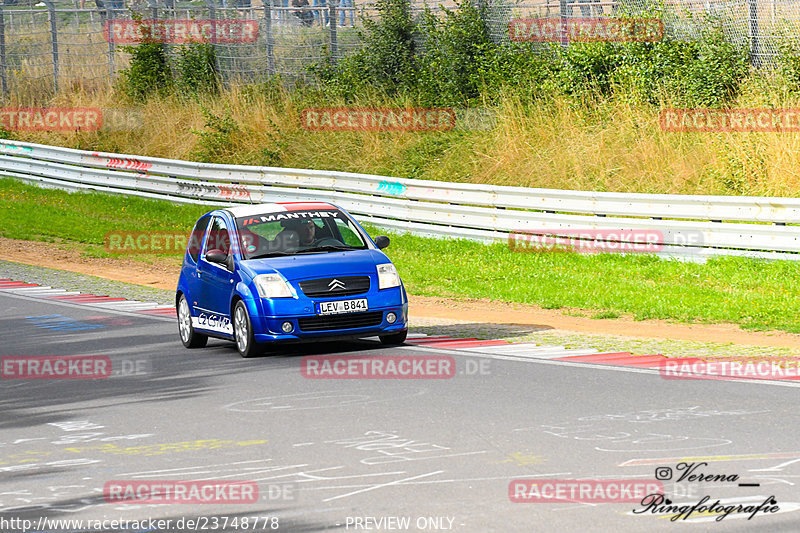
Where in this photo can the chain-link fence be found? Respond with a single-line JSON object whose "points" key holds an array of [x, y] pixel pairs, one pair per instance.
{"points": [[759, 26], [46, 45]]}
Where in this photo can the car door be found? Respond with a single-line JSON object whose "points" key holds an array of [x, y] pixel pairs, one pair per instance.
{"points": [[192, 256], [216, 281]]}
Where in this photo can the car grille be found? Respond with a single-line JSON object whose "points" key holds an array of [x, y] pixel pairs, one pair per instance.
{"points": [[347, 286], [348, 321]]}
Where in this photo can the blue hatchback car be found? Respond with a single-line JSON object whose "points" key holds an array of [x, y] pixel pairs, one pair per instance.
{"points": [[267, 274]]}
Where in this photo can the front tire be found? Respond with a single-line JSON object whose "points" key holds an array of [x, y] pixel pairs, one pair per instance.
{"points": [[189, 337], [243, 331], [394, 338]]}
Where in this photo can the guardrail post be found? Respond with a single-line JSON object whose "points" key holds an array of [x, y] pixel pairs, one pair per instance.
{"points": [[268, 38], [51, 15], [3, 82], [334, 43]]}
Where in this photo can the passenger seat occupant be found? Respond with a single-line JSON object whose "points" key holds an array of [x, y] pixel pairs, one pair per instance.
{"points": [[251, 242]]}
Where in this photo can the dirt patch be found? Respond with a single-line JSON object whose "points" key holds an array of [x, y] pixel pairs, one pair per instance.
{"points": [[163, 274]]}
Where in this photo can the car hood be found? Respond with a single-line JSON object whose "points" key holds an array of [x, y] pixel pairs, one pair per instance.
{"points": [[297, 267]]}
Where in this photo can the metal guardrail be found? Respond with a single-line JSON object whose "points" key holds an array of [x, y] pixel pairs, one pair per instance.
{"points": [[718, 225]]}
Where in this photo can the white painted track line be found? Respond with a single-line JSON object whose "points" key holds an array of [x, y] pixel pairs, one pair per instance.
{"points": [[127, 306], [42, 292], [531, 350]]}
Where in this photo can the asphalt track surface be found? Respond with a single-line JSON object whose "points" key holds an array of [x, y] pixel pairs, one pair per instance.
{"points": [[368, 454]]}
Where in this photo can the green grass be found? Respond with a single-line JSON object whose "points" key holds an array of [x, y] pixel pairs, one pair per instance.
{"points": [[32, 213], [756, 294]]}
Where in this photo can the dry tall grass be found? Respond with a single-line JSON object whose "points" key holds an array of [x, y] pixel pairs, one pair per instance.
{"points": [[611, 146]]}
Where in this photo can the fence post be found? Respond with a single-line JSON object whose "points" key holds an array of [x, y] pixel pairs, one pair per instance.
{"points": [[333, 23], [212, 14], [109, 17], [51, 14], [153, 8], [268, 38], [3, 82], [563, 12], [755, 46]]}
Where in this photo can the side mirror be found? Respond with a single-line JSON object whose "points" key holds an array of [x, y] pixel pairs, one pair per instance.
{"points": [[381, 241], [217, 256]]}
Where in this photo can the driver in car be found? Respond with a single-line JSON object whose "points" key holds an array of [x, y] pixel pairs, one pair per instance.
{"points": [[297, 232], [304, 232], [307, 231]]}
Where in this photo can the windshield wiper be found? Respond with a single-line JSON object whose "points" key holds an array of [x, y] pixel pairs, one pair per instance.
{"points": [[314, 250], [327, 248], [270, 254]]}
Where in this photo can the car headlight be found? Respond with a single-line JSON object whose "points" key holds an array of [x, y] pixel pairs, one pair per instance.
{"points": [[388, 276], [272, 286]]}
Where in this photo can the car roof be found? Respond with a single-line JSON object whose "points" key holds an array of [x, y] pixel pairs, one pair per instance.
{"points": [[257, 209]]}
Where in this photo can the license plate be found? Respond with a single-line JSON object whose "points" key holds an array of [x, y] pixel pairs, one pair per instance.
{"points": [[342, 306]]}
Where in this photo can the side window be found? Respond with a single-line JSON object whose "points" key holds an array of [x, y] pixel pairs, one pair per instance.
{"points": [[196, 238], [349, 235], [218, 238]]}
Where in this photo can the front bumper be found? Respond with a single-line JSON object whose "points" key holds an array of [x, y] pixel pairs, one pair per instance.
{"points": [[307, 325], [273, 325]]}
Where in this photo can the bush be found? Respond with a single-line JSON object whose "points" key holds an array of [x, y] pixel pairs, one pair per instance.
{"points": [[217, 142], [522, 69], [459, 64], [788, 63], [711, 75], [197, 69], [194, 70], [457, 53], [386, 61], [225, 141], [705, 73], [589, 66], [149, 70]]}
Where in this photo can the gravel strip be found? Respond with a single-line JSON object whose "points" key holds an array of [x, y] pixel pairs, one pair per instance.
{"points": [[71, 281]]}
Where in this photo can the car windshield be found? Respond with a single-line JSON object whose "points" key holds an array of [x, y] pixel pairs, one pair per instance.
{"points": [[280, 233]]}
